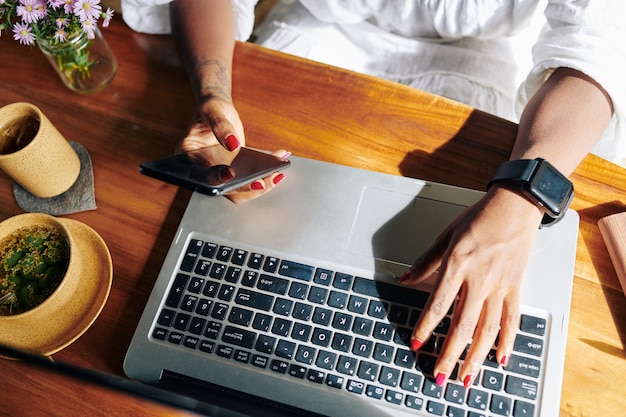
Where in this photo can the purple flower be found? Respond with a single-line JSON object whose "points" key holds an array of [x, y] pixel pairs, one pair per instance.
{"points": [[60, 35], [87, 9], [31, 10], [23, 33], [108, 15]]}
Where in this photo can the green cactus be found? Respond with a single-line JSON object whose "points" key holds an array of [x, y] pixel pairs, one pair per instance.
{"points": [[33, 261]]}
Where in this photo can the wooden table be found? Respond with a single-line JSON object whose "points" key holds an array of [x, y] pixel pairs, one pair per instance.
{"points": [[315, 111]]}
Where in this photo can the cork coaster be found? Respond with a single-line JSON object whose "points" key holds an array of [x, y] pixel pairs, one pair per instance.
{"points": [[80, 196]]}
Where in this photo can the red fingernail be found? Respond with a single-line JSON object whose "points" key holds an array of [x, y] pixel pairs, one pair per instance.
{"points": [[278, 178], [441, 379], [225, 175], [257, 185], [231, 142], [404, 277], [468, 380], [504, 361], [416, 345]]}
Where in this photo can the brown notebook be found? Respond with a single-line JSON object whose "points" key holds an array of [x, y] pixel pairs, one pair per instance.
{"points": [[613, 230]]}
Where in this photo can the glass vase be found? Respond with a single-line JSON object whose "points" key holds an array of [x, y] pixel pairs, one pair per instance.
{"points": [[85, 65]]}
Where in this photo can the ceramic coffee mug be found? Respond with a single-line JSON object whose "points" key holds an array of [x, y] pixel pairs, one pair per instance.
{"points": [[33, 152]]}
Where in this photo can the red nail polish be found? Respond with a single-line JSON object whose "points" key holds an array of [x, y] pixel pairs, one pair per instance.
{"points": [[257, 185], [231, 142], [504, 361], [441, 379], [225, 175], [416, 345], [278, 178], [468, 380]]}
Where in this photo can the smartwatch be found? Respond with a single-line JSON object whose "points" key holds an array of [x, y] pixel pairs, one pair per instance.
{"points": [[540, 182]]}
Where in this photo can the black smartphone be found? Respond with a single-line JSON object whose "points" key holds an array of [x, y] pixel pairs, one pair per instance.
{"points": [[214, 170]]}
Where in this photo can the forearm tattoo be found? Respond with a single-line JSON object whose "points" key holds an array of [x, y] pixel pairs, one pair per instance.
{"points": [[213, 77]]}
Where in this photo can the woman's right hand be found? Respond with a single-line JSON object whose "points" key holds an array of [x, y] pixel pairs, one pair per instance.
{"points": [[218, 123]]}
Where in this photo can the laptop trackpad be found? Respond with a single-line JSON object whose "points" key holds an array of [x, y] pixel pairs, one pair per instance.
{"points": [[397, 227]]}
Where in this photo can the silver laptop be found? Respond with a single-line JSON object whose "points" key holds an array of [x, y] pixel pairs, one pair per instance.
{"points": [[287, 305]]}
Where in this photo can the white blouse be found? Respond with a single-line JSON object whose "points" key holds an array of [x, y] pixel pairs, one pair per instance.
{"points": [[490, 54]]}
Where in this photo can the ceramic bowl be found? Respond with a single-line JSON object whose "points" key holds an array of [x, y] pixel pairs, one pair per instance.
{"points": [[71, 309]]}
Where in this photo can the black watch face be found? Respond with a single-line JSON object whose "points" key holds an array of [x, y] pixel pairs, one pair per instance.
{"points": [[552, 188]]}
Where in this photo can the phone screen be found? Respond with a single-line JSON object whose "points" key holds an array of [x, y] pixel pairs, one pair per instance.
{"points": [[214, 170]]}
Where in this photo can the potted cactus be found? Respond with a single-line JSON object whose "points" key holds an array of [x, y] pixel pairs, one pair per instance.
{"points": [[33, 262]]}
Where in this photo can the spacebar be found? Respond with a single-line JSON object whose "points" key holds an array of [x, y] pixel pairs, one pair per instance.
{"points": [[390, 292]]}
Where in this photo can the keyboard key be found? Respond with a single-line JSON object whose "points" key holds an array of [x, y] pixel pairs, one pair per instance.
{"points": [[404, 358], [255, 261], [166, 317], [191, 342], [238, 337], [368, 371], [377, 309], [212, 330], [271, 264], [326, 360], [337, 299], [534, 325], [254, 299], [240, 316], [203, 268], [356, 387], [394, 397], [301, 332], [323, 276], [281, 327], [177, 290], [373, 391], [501, 405], [181, 321], [411, 382], [226, 292], [298, 290], [342, 321], [529, 345], [302, 311], [363, 347], [322, 316], [203, 307], [524, 366], [296, 270], [262, 322], [431, 389], [265, 344], [321, 337], [493, 380], [383, 353], [224, 253], [217, 270], [455, 393], [285, 349], [196, 326], [383, 331], [341, 342], [209, 250], [347, 365], [477, 399], [362, 326], [305, 354], [390, 292], [239, 257], [282, 306], [195, 285], [435, 408], [342, 281], [232, 274], [357, 304], [317, 295], [315, 376], [389, 376], [455, 412], [334, 381], [272, 284], [279, 366], [523, 409], [297, 371], [413, 402], [521, 387]]}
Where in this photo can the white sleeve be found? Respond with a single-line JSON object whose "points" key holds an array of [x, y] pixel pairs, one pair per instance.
{"points": [[587, 36], [153, 16]]}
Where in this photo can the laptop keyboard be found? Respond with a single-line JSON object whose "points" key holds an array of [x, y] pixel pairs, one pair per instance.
{"points": [[346, 332]]}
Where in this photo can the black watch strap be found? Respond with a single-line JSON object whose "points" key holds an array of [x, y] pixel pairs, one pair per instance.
{"points": [[521, 169]]}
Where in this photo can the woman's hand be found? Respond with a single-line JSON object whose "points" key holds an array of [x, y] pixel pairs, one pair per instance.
{"points": [[219, 124], [481, 258]]}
